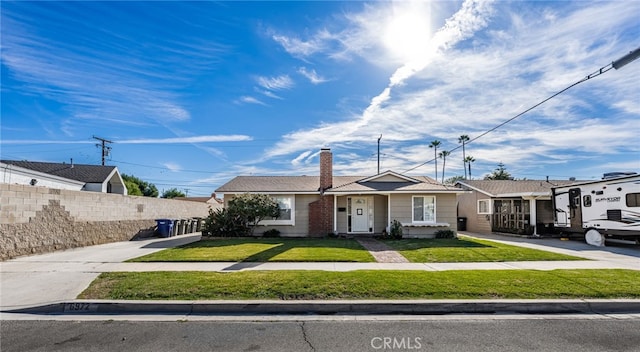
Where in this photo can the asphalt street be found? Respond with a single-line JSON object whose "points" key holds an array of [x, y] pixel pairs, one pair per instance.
{"points": [[592, 334]]}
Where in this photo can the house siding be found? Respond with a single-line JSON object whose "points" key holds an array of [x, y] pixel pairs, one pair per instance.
{"points": [[301, 215], [468, 207], [379, 213], [402, 208]]}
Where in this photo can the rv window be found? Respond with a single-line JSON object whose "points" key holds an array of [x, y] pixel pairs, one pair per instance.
{"points": [[586, 200], [633, 199]]}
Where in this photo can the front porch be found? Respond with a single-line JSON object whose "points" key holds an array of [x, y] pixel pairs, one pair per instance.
{"points": [[372, 215]]}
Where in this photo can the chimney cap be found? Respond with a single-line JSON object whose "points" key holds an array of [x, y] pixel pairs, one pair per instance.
{"points": [[323, 149]]}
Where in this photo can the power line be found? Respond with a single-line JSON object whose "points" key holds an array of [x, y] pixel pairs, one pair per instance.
{"points": [[631, 56]]}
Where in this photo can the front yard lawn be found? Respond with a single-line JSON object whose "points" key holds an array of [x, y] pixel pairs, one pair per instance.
{"points": [[466, 249], [263, 250], [378, 284]]}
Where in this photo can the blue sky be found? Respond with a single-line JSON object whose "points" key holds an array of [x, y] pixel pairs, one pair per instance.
{"points": [[193, 94]]}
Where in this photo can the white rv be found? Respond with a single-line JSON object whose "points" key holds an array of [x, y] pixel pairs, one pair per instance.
{"points": [[604, 209]]}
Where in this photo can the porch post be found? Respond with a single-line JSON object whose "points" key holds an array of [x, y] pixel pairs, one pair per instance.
{"points": [[388, 212], [532, 215], [335, 213]]}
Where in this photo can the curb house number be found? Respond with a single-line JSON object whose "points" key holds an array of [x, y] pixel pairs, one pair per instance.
{"points": [[77, 307]]}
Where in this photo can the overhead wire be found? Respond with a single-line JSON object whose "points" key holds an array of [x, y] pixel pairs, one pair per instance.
{"points": [[590, 76]]}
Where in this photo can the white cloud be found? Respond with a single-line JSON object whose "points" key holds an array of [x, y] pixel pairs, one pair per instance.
{"points": [[275, 83], [250, 100], [172, 166], [495, 64], [193, 139], [312, 75]]}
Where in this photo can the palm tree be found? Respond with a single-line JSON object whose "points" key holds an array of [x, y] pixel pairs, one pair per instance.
{"points": [[468, 160], [434, 144], [443, 154], [463, 139]]}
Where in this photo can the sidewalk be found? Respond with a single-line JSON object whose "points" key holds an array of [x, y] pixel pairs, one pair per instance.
{"points": [[52, 278]]}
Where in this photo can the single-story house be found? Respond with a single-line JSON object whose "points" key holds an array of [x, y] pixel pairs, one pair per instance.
{"points": [[509, 206], [354, 205], [78, 177]]}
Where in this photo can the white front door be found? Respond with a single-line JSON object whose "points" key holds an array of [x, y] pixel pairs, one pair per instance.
{"points": [[359, 214]]}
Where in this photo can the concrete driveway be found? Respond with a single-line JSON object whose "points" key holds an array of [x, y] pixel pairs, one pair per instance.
{"points": [[57, 276]]}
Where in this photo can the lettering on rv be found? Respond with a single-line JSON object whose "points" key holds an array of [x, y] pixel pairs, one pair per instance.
{"points": [[608, 199]]}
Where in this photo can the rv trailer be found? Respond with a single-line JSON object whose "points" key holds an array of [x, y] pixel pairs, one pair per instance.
{"points": [[601, 210]]}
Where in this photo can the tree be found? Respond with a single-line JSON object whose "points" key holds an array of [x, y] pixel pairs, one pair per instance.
{"points": [[146, 189], [453, 180], [434, 144], [468, 160], [242, 215], [500, 173], [132, 188], [464, 139], [444, 154], [172, 193]]}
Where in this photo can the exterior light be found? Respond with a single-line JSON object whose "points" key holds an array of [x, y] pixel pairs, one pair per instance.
{"points": [[632, 55]]}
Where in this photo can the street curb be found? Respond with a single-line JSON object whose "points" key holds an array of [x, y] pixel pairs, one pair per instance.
{"points": [[438, 307]]}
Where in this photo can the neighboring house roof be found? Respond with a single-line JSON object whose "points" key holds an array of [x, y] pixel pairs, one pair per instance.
{"points": [[78, 172], [514, 188], [341, 184], [211, 200]]}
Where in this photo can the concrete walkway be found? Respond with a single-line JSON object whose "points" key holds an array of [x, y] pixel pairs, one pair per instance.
{"points": [[380, 251], [61, 276]]}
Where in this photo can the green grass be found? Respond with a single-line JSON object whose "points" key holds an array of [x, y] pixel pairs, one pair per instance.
{"points": [[380, 284], [263, 250], [467, 249]]}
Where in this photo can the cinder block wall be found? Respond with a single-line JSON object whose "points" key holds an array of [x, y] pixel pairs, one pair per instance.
{"points": [[39, 219]]}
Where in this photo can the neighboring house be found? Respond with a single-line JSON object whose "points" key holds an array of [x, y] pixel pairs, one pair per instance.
{"points": [[318, 205], [213, 202], [94, 178], [508, 206]]}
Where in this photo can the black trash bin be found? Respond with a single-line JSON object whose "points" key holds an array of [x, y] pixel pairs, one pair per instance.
{"points": [[462, 223], [165, 227]]}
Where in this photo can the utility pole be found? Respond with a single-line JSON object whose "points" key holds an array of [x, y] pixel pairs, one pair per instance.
{"points": [[379, 138], [105, 147]]}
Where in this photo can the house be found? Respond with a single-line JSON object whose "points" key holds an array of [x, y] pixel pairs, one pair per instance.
{"points": [[355, 205], [94, 178], [509, 206], [212, 201]]}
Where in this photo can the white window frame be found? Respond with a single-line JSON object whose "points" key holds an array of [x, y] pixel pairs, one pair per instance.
{"points": [[413, 220], [292, 221], [489, 206]]}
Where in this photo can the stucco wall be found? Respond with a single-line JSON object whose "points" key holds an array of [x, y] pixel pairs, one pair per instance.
{"points": [[40, 219]]}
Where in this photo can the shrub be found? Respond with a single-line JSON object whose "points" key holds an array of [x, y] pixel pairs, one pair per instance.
{"points": [[445, 234], [271, 233], [241, 216], [395, 232]]}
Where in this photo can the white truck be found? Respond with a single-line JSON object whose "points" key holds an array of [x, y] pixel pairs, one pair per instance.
{"points": [[601, 210]]}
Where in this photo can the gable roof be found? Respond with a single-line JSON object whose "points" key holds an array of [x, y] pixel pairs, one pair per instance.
{"points": [[341, 185], [503, 188], [78, 172]]}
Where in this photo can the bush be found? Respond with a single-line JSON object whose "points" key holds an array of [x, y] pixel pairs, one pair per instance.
{"points": [[241, 216], [396, 230], [271, 233], [445, 234]]}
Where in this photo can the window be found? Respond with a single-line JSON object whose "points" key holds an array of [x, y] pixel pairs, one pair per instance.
{"points": [[484, 206], [287, 214], [424, 209], [633, 199], [586, 200]]}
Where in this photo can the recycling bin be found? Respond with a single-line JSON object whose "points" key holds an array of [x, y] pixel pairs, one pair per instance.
{"points": [[462, 223], [165, 227]]}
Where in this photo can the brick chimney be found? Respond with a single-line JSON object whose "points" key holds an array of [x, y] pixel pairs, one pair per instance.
{"points": [[326, 169]]}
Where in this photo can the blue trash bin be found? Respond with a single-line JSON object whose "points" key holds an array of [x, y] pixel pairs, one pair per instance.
{"points": [[165, 227]]}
